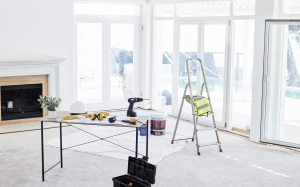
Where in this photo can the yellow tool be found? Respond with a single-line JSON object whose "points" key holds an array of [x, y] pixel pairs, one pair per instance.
{"points": [[92, 116]]}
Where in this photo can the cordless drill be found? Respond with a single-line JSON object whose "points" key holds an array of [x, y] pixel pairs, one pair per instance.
{"points": [[130, 111]]}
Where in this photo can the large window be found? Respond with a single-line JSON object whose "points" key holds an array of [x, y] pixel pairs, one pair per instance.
{"points": [[164, 10], [216, 8], [291, 6], [82, 8], [241, 8], [206, 8]]}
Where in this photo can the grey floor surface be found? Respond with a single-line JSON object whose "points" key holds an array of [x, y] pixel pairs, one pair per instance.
{"points": [[243, 163]]}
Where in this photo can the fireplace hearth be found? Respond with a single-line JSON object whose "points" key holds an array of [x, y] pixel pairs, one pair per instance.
{"points": [[20, 101]]}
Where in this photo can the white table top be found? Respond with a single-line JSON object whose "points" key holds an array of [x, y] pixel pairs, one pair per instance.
{"points": [[104, 122]]}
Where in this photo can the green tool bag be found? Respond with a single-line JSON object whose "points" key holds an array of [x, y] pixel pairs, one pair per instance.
{"points": [[201, 104]]}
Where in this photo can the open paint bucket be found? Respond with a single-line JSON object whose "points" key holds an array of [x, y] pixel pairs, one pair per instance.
{"points": [[158, 123]]}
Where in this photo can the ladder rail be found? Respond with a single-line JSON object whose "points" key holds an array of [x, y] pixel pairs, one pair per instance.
{"points": [[192, 102], [206, 86], [179, 114]]}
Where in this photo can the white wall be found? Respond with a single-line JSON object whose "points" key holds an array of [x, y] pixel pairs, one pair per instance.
{"points": [[264, 10], [40, 27]]}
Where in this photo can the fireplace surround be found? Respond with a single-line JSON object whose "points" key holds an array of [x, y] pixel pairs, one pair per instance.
{"points": [[17, 78]]}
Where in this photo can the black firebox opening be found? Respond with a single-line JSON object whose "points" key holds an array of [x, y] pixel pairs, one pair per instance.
{"points": [[20, 101]]}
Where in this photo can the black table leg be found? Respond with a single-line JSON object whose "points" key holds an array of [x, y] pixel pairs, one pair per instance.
{"points": [[42, 144], [136, 142], [147, 140], [61, 156]]}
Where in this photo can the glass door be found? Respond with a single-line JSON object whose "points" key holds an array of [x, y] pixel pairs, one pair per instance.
{"points": [[89, 62], [106, 52], [281, 91], [215, 63], [163, 65], [188, 48], [207, 41], [121, 61]]}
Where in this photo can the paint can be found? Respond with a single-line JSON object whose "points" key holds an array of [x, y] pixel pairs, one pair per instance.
{"points": [[158, 123], [143, 130]]}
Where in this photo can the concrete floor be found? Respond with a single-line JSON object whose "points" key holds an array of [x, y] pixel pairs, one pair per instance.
{"points": [[243, 163]]}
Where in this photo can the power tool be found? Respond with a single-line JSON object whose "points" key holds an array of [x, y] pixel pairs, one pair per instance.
{"points": [[130, 111]]}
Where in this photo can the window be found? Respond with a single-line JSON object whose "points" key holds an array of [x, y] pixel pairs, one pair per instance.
{"points": [[188, 43], [291, 6], [106, 9], [164, 10], [243, 67], [164, 64], [89, 62], [242, 8], [122, 53], [215, 8]]}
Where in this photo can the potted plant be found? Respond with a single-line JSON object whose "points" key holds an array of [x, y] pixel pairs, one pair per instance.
{"points": [[51, 103]]}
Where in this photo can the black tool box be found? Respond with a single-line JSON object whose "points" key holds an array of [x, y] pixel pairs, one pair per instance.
{"points": [[140, 174]]}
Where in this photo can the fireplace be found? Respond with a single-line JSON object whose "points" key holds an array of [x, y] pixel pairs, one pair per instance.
{"points": [[20, 101], [18, 98]]}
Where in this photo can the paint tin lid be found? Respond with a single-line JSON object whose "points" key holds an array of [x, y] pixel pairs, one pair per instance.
{"points": [[159, 115]]}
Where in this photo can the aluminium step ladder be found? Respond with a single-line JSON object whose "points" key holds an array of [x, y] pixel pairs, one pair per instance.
{"points": [[195, 115]]}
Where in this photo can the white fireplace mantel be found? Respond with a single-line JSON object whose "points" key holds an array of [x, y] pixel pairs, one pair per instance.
{"points": [[10, 67]]}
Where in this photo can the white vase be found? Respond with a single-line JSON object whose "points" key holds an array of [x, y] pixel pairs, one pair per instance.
{"points": [[52, 114]]}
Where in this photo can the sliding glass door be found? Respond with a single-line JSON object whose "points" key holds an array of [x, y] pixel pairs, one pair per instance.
{"points": [[281, 91]]}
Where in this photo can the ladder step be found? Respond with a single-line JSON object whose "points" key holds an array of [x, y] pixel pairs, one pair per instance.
{"points": [[183, 139], [209, 114], [209, 144], [206, 129]]}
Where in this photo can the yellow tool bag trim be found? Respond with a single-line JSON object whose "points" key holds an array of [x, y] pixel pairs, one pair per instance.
{"points": [[201, 104]]}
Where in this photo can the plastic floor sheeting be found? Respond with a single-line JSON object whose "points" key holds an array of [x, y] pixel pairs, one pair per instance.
{"points": [[159, 146]]}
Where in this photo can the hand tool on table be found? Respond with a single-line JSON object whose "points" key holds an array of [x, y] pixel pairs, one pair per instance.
{"points": [[85, 115], [131, 120], [100, 117], [130, 111]]}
